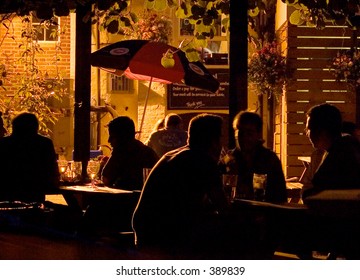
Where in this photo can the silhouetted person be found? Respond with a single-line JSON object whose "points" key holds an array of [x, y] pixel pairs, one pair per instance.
{"points": [[160, 124], [339, 168], [340, 165], [28, 166], [182, 207], [124, 170], [129, 156], [171, 137], [250, 156]]}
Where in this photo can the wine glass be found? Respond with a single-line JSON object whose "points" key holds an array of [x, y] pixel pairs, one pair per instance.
{"points": [[76, 169], [93, 168], [229, 185], [63, 165]]}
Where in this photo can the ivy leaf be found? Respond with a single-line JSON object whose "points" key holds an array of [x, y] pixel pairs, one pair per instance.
{"points": [[149, 4], [197, 11], [207, 20], [171, 3], [192, 55], [113, 27], [126, 21], [180, 13], [160, 5], [254, 12], [296, 18], [134, 17]]}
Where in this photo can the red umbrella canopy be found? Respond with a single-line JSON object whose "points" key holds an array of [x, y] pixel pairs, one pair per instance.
{"points": [[141, 60]]}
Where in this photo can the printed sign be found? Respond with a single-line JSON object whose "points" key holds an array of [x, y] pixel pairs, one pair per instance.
{"points": [[181, 97]]}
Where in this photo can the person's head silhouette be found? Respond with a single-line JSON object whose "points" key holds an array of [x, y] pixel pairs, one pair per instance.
{"points": [[204, 133], [121, 130], [25, 124]]}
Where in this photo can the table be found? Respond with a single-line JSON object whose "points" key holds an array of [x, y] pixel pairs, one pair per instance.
{"points": [[305, 160], [336, 203], [270, 205], [293, 190], [89, 189], [105, 210], [80, 196], [327, 222]]}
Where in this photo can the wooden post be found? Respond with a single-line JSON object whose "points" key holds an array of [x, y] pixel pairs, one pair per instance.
{"points": [[82, 87], [357, 89], [238, 57]]}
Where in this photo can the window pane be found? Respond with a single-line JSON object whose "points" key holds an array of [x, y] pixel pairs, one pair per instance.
{"points": [[44, 34], [48, 33], [40, 33], [120, 83]]}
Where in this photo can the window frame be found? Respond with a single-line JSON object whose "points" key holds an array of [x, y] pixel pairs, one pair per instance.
{"points": [[123, 80], [46, 31]]}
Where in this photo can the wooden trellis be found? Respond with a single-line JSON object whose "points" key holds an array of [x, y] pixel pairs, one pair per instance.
{"points": [[309, 53]]}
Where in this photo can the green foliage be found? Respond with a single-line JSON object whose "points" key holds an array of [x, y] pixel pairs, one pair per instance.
{"points": [[319, 13], [203, 15], [114, 18], [35, 88], [149, 26]]}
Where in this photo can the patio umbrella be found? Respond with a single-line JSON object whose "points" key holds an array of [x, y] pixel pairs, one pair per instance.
{"points": [[141, 60]]}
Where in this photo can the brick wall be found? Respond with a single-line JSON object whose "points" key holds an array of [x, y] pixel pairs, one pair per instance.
{"points": [[10, 53]]}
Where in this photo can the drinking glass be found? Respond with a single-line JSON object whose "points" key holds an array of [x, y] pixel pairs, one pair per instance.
{"points": [[76, 170], [259, 185], [229, 184], [146, 172], [93, 168], [63, 165]]}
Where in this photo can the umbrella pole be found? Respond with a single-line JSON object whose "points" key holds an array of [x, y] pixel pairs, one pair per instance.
{"points": [[144, 111]]}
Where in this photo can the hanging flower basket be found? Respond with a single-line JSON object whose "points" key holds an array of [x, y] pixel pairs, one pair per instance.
{"points": [[150, 26], [267, 70], [345, 66]]}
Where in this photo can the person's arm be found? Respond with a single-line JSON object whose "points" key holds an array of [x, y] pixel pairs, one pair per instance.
{"points": [[150, 141], [217, 195], [276, 188], [109, 173], [54, 169]]}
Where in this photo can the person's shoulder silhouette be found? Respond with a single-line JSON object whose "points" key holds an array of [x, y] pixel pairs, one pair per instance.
{"points": [[29, 168]]}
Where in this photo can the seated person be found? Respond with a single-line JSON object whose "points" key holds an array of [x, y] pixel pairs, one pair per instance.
{"points": [[340, 167], [28, 166], [129, 156], [337, 167], [170, 137], [250, 156], [182, 199]]}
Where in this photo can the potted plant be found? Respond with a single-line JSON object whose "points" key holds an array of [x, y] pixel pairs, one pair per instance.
{"points": [[267, 70], [345, 66]]}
